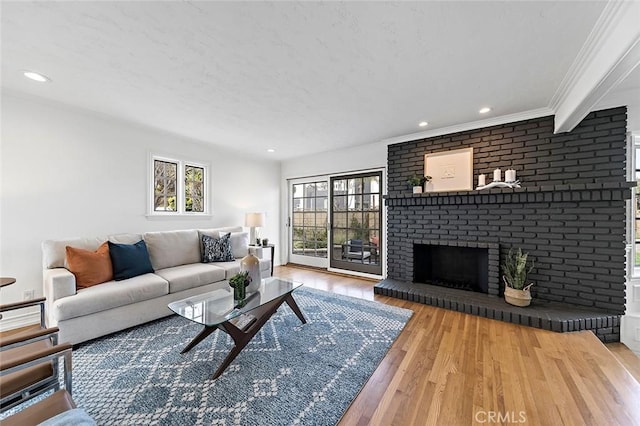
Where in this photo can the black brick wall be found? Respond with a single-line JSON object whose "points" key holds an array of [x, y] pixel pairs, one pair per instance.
{"points": [[569, 215]]}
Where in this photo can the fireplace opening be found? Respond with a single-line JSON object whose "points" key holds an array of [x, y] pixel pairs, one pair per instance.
{"points": [[464, 268]]}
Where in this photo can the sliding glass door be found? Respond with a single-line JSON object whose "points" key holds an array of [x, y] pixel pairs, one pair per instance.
{"points": [[356, 222]]}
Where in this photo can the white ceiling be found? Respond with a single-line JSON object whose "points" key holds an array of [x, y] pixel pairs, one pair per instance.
{"points": [[297, 77]]}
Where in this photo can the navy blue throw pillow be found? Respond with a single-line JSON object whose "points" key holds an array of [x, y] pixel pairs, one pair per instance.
{"points": [[129, 260]]}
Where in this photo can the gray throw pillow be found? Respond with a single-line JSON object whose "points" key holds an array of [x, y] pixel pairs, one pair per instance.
{"points": [[217, 249]]}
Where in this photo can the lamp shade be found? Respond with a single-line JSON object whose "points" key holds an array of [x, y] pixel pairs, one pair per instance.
{"points": [[254, 220]]}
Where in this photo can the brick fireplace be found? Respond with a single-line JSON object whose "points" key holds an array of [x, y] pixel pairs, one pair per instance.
{"points": [[569, 215]]}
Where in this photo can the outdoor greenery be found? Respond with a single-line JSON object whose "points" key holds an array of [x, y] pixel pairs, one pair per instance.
{"points": [[309, 235], [165, 183], [359, 231], [193, 192]]}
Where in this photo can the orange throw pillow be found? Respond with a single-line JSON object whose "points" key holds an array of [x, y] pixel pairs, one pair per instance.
{"points": [[90, 267]]}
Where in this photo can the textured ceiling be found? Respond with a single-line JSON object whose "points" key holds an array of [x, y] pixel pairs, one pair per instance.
{"points": [[297, 77]]}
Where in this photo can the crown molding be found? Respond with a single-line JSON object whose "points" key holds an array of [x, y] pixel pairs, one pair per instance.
{"points": [[463, 127], [610, 53], [587, 52]]}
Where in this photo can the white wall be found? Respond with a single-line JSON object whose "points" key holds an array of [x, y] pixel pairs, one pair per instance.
{"points": [[71, 173], [360, 157]]}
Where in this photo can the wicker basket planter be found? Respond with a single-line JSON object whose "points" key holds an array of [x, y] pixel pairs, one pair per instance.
{"points": [[515, 268], [518, 297]]}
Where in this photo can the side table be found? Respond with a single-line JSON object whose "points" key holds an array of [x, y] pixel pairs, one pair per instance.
{"points": [[273, 250]]}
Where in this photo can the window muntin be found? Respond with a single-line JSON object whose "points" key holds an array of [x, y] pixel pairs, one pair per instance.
{"points": [[309, 214], [165, 182], [194, 189], [178, 187]]}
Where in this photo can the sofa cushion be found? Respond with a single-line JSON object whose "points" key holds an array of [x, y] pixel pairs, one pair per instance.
{"points": [[173, 248], [90, 267], [129, 260], [54, 251], [110, 295], [230, 268], [184, 277], [217, 249], [239, 244]]}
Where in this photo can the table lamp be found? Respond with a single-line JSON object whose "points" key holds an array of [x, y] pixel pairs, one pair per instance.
{"points": [[254, 221]]}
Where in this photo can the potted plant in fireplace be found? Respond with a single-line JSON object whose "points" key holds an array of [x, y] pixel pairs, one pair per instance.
{"points": [[515, 268], [416, 182]]}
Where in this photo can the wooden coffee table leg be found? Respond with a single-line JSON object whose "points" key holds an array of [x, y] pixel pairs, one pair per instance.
{"points": [[242, 338], [294, 307], [199, 338]]}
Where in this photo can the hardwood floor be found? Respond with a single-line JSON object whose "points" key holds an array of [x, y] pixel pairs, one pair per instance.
{"points": [[449, 368]]}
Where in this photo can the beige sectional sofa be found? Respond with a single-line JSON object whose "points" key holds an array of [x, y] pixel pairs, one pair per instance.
{"points": [[87, 313]]}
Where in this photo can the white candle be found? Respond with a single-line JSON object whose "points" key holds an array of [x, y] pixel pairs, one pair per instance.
{"points": [[481, 181], [497, 175], [510, 176]]}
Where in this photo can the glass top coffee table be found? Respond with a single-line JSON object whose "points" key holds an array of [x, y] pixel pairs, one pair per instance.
{"points": [[217, 310]]}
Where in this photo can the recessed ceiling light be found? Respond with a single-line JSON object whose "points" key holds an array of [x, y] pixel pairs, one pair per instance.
{"points": [[423, 124], [484, 110], [36, 76], [271, 150]]}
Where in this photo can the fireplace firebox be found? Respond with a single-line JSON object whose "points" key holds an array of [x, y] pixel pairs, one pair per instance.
{"points": [[463, 268]]}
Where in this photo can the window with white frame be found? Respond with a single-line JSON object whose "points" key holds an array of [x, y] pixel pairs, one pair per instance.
{"points": [[178, 187]]}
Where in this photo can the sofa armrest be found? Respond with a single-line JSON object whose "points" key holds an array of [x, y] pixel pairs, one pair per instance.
{"points": [[256, 251], [58, 283]]}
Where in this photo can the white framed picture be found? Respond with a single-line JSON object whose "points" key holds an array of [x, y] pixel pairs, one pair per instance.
{"points": [[450, 170]]}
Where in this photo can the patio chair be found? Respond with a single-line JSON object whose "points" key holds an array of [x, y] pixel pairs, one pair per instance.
{"points": [[355, 250]]}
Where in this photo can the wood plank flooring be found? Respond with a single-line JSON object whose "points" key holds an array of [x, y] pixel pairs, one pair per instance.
{"points": [[449, 368]]}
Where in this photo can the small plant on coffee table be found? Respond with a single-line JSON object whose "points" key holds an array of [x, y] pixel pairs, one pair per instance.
{"points": [[240, 282]]}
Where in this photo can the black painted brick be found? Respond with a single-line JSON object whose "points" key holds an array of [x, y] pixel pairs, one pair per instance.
{"points": [[569, 215]]}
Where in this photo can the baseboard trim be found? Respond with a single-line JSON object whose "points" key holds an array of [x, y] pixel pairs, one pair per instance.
{"points": [[630, 332], [19, 320]]}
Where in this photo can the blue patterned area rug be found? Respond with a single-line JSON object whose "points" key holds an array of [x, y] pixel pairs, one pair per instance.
{"points": [[289, 373]]}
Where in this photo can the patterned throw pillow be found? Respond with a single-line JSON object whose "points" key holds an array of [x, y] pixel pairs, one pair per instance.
{"points": [[217, 249]]}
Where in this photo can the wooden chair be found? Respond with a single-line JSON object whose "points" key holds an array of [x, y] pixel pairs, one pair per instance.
{"points": [[29, 359], [57, 408], [30, 366]]}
